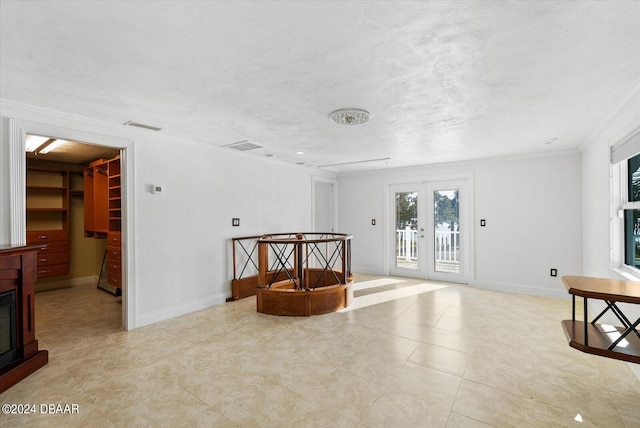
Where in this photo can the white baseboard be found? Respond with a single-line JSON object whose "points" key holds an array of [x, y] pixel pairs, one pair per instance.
{"points": [[521, 289], [64, 283], [367, 270], [176, 311]]}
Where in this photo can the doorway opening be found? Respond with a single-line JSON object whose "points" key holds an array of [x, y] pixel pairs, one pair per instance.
{"points": [[73, 208]]}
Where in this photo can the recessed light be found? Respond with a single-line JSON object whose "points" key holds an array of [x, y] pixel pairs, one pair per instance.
{"points": [[299, 153], [550, 140]]}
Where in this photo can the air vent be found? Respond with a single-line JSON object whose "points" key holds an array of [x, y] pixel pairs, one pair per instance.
{"points": [[381, 160], [141, 125], [243, 146]]}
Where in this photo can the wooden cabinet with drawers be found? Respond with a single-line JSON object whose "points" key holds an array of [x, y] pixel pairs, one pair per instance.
{"points": [[47, 205], [114, 259], [103, 212]]}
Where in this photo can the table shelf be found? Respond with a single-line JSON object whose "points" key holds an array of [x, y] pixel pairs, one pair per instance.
{"points": [[600, 340], [594, 338]]}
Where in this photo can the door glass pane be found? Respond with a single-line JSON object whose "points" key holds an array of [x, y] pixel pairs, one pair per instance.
{"points": [[446, 243], [407, 230]]}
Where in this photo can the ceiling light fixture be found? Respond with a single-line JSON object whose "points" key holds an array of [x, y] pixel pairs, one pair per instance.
{"points": [[44, 149], [38, 144], [32, 142], [350, 116]]}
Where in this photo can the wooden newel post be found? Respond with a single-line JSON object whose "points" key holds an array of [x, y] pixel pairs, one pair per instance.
{"points": [[344, 262], [263, 263], [298, 262]]}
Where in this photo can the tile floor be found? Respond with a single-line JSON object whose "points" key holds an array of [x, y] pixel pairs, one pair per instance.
{"points": [[450, 356]]}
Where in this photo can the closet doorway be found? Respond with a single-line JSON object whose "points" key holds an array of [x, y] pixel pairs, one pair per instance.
{"points": [[74, 210], [22, 216]]}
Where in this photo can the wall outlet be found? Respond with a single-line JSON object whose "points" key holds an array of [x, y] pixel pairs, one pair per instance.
{"points": [[373, 222], [553, 272], [235, 222], [483, 223]]}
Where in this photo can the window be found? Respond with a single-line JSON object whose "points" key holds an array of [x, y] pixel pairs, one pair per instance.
{"points": [[631, 206], [625, 175]]}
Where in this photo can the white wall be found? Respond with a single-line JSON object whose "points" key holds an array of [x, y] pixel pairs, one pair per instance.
{"points": [[532, 206], [182, 249]]}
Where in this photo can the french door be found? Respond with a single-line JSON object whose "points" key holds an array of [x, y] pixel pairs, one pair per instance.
{"points": [[428, 233], [407, 230]]}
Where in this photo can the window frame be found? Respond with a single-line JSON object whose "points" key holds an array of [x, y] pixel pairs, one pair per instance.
{"points": [[619, 172]]}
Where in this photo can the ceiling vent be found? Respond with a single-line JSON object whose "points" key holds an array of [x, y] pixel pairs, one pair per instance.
{"points": [[243, 146], [141, 125], [383, 161]]}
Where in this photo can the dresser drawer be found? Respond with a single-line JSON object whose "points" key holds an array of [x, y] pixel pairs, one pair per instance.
{"points": [[114, 239], [114, 279], [114, 253], [52, 259], [54, 247], [53, 270], [38, 236], [114, 266]]}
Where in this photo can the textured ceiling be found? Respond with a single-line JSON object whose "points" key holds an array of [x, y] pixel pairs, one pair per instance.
{"points": [[443, 81]]}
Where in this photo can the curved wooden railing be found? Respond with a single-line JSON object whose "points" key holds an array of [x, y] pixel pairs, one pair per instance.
{"points": [[305, 261]]}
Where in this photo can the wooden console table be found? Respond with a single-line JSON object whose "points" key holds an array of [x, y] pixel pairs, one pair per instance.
{"points": [[19, 351], [621, 343]]}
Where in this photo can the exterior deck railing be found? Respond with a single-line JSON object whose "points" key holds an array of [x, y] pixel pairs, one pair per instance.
{"points": [[446, 245]]}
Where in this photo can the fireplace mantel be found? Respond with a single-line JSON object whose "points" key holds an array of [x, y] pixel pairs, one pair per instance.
{"points": [[18, 272]]}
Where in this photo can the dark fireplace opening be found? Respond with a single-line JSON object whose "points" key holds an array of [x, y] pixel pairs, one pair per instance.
{"points": [[8, 353]]}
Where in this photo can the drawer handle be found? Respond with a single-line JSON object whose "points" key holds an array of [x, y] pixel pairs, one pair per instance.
{"points": [[115, 253], [43, 248], [114, 266], [44, 271], [43, 260], [43, 236]]}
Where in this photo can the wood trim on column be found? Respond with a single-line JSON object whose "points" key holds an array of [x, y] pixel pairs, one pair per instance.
{"points": [[17, 184]]}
